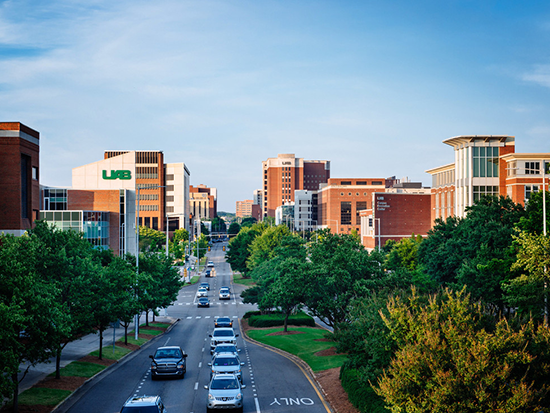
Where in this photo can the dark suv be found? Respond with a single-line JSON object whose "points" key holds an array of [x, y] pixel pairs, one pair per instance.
{"points": [[144, 404], [168, 361]]}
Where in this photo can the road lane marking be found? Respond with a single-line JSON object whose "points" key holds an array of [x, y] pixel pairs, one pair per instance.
{"points": [[196, 385], [189, 318], [200, 364], [257, 404]]}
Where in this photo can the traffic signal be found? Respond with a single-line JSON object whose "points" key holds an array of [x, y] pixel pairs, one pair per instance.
{"points": [[208, 248], [223, 248]]}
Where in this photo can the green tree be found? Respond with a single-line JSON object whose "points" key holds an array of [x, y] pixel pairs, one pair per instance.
{"points": [[532, 221], [528, 292], [238, 251], [234, 229], [32, 319], [452, 357], [475, 251], [178, 243], [262, 248], [151, 239], [67, 263], [404, 254], [248, 222], [340, 270]]}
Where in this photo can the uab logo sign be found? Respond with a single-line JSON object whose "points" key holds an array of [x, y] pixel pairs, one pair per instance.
{"points": [[118, 175]]}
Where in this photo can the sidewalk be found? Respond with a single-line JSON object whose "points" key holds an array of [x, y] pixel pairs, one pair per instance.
{"points": [[76, 350]]}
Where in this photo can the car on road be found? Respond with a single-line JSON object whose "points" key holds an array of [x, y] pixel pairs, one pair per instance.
{"points": [[202, 292], [144, 404], [205, 285], [207, 273], [224, 363], [210, 264], [224, 392], [168, 361], [225, 348], [203, 302], [222, 335], [223, 322], [225, 294]]}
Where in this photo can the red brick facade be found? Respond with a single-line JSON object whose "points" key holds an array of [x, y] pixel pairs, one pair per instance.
{"points": [[19, 169], [103, 200], [398, 215], [339, 194]]}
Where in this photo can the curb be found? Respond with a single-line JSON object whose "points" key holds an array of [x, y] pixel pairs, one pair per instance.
{"points": [[295, 359], [72, 398]]}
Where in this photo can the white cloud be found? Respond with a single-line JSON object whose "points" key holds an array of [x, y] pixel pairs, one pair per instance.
{"points": [[540, 74]]}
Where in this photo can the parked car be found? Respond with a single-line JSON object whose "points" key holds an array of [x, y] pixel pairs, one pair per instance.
{"points": [[203, 302], [225, 294], [205, 285], [224, 392], [222, 335], [224, 363], [225, 348], [202, 292], [223, 322], [140, 404], [168, 361]]}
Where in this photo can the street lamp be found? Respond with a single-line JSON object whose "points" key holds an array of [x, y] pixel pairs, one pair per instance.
{"points": [[334, 220]]}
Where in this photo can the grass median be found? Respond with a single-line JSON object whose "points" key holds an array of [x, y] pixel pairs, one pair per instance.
{"points": [[308, 343], [239, 279]]}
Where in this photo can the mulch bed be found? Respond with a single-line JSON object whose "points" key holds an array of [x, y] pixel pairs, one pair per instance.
{"points": [[96, 360], [129, 346], [335, 393], [328, 352], [323, 339], [63, 383], [153, 328], [146, 336], [282, 333]]}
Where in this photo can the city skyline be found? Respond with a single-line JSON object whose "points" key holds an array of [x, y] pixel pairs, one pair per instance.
{"points": [[222, 86]]}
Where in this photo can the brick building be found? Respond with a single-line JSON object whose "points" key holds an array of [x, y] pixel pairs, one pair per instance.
{"points": [[285, 174], [395, 216], [244, 208], [484, 165], [340, 200], [20, 185], [203, 202]]}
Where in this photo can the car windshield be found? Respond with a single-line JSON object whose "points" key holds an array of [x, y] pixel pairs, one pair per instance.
{"points": [[223, 333], [168, 353], [225, 349], [223, 320], [140, 409], [224, 384], [203, 299], [224, 291], [226, 361]]}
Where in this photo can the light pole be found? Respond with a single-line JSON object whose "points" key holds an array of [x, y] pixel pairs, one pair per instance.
{"points": [[334, 220], [379, 234]]}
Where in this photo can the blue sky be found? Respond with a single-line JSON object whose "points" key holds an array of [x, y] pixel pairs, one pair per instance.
{"points": [[372, 86]]}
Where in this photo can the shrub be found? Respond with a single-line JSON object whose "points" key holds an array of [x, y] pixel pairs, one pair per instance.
{"points": [[278, 319], [360, 392]]}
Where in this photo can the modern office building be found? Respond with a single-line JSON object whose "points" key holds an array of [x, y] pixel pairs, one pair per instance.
{"points": [[484, 165], [20, 185], [106, 217], [177, 178], [340, 200], [285, 174], [305, 210], [243, 208]]}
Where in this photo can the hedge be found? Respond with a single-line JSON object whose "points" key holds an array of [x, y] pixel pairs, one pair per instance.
{"points": [[278, 319], [360, 393]]}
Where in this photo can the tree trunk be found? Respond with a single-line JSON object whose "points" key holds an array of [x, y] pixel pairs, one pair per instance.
{"points": [[15, 393], [153, 316], [147, 318], [100, 343], [126, 334], [58, 363], [286, 322]]}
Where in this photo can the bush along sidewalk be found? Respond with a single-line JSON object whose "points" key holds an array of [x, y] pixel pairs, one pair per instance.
{"points": [[45, 395]]}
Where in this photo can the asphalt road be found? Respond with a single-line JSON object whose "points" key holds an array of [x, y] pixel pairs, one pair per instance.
{"points": [[274, 383]]}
